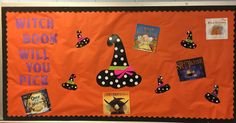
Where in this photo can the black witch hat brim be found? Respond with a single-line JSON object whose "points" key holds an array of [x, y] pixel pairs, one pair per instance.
{"points": [[82, 43], [69, 86], [108, 78], [163, 89], [212, 98], [188, 45]]}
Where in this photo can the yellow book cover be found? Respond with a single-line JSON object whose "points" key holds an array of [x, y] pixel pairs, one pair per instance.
{"points": [[116, 103]]}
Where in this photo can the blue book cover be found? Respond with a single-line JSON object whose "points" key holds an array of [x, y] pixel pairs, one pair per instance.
{"points": [[146, 37], [36, 102], [191, 69]]}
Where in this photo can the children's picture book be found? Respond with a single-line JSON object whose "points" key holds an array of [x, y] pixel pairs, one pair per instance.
{"points": [[216, 28], [36, 102], [191, 69], [146, 37], [116, 103]]}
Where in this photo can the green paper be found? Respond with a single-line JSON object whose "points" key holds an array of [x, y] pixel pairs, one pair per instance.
{"points": [[117, 67]]}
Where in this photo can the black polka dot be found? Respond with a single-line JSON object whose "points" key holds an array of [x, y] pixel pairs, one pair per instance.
{"points": [[212, 98], [163, 89], [82, 43], [188, 45]]}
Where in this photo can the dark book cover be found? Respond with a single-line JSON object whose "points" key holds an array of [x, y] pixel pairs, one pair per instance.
{"points": [[191, 69]]}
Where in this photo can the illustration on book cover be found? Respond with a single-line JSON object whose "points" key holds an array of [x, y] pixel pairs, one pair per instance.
{"points": [[146, 37], [116, 103], [36, 102], [216, 28], [191, 69]]}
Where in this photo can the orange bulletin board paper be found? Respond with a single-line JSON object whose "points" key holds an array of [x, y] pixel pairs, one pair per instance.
{"points": [[49, 39]]}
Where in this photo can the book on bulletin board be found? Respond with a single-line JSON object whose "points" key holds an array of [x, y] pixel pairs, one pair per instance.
{"points": [[119, 64]]}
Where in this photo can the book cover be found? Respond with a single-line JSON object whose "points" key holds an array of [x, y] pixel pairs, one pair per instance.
{"points": [[216, 28], [116, 103], [146, 37], [36, 102], [191, 69]]}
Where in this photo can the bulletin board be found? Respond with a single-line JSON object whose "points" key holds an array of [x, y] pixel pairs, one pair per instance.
{"points": [[119, 63]]}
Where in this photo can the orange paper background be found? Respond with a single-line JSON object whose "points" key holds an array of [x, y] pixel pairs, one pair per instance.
{"points": [[185, 99]]}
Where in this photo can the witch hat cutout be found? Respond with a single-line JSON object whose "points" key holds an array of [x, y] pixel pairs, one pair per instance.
{"points": [[188, 43], [161, 86], [212, 97], [119, 74], [82, 41], [70, 84], [117, 106]]}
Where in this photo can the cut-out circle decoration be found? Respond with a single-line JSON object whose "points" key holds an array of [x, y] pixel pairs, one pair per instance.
{"points": [[213, 97], [70, 84], [188, 43], [81, 41], [161, 86], [120, 73]]}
